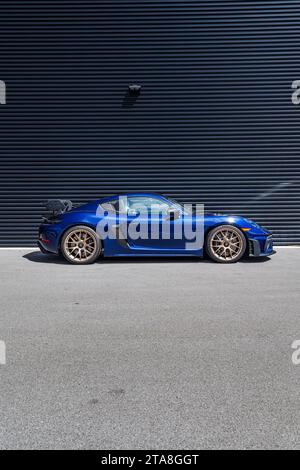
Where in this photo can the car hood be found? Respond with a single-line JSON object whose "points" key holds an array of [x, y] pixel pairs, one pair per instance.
{"points": [[237, 220]]}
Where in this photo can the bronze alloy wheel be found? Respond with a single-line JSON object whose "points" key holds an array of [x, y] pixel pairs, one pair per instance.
{"points": [[81, 245], [226, 244]]}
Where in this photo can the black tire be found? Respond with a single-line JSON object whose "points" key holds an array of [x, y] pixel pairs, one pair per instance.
{"points": [[223, 248], [81, 249]]}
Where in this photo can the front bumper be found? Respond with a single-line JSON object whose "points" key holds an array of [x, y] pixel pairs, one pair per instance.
{"points": [[261, 246]]}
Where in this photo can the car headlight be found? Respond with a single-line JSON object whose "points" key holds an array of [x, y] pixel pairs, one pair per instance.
{"points": [[251, 222]]}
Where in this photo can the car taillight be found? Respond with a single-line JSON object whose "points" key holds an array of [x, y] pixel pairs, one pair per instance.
{"points": [[44, 239]]}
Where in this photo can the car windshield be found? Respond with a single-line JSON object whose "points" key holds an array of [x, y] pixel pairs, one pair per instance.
{"points": [[174, 202], [177, 204]]}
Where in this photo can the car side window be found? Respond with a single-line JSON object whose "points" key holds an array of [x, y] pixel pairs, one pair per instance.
{"points": [[155, 205]]}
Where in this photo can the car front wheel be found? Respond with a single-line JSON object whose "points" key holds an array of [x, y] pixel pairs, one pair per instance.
{"points": [[226, 244], [81, 245]]}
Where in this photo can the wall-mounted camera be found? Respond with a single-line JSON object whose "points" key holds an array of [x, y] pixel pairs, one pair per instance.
{"points": [[134, 89]]}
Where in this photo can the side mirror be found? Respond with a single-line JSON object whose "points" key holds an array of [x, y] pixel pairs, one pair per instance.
{"points": [[173, 214]]}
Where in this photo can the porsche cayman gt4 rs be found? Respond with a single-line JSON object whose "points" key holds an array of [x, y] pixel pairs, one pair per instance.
{"points": [[144, 224]]}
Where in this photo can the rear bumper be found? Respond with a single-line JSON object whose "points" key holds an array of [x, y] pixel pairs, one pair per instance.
{"points": [[261, 246], [48, 238], [44, 248]]}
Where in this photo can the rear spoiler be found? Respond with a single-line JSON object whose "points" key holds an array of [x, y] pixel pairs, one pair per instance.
{"points": [[55, 207]]}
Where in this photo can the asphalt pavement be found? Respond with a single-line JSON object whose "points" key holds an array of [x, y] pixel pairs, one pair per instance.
{"points": [[149, 354]]}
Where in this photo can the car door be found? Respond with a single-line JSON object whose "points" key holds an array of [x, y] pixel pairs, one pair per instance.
{"points": [[151, 225]]}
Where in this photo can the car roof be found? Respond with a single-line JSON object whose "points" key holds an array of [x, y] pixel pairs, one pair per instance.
{"points": [[115, 196]]}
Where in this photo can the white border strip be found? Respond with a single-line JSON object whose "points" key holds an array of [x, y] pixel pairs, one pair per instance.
{"points": [[278, 247]]}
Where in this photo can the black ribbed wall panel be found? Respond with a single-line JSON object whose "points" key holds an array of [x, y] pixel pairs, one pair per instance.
{"points": [[214, 123]]}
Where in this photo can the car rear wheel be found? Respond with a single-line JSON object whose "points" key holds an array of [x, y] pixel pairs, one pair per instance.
{"points": [[81, 245], [226, 244]]}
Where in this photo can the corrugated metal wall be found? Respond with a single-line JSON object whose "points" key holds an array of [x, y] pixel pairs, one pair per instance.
{"points": [[214, 122]]}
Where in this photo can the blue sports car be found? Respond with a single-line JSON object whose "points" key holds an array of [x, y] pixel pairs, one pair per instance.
{"points": [[144, 224]]}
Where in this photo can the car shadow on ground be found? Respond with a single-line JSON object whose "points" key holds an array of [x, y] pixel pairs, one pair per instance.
{"points": [[38, 257]]}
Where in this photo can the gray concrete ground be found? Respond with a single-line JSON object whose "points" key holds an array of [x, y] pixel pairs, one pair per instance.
{"points": [[157, 354]]}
